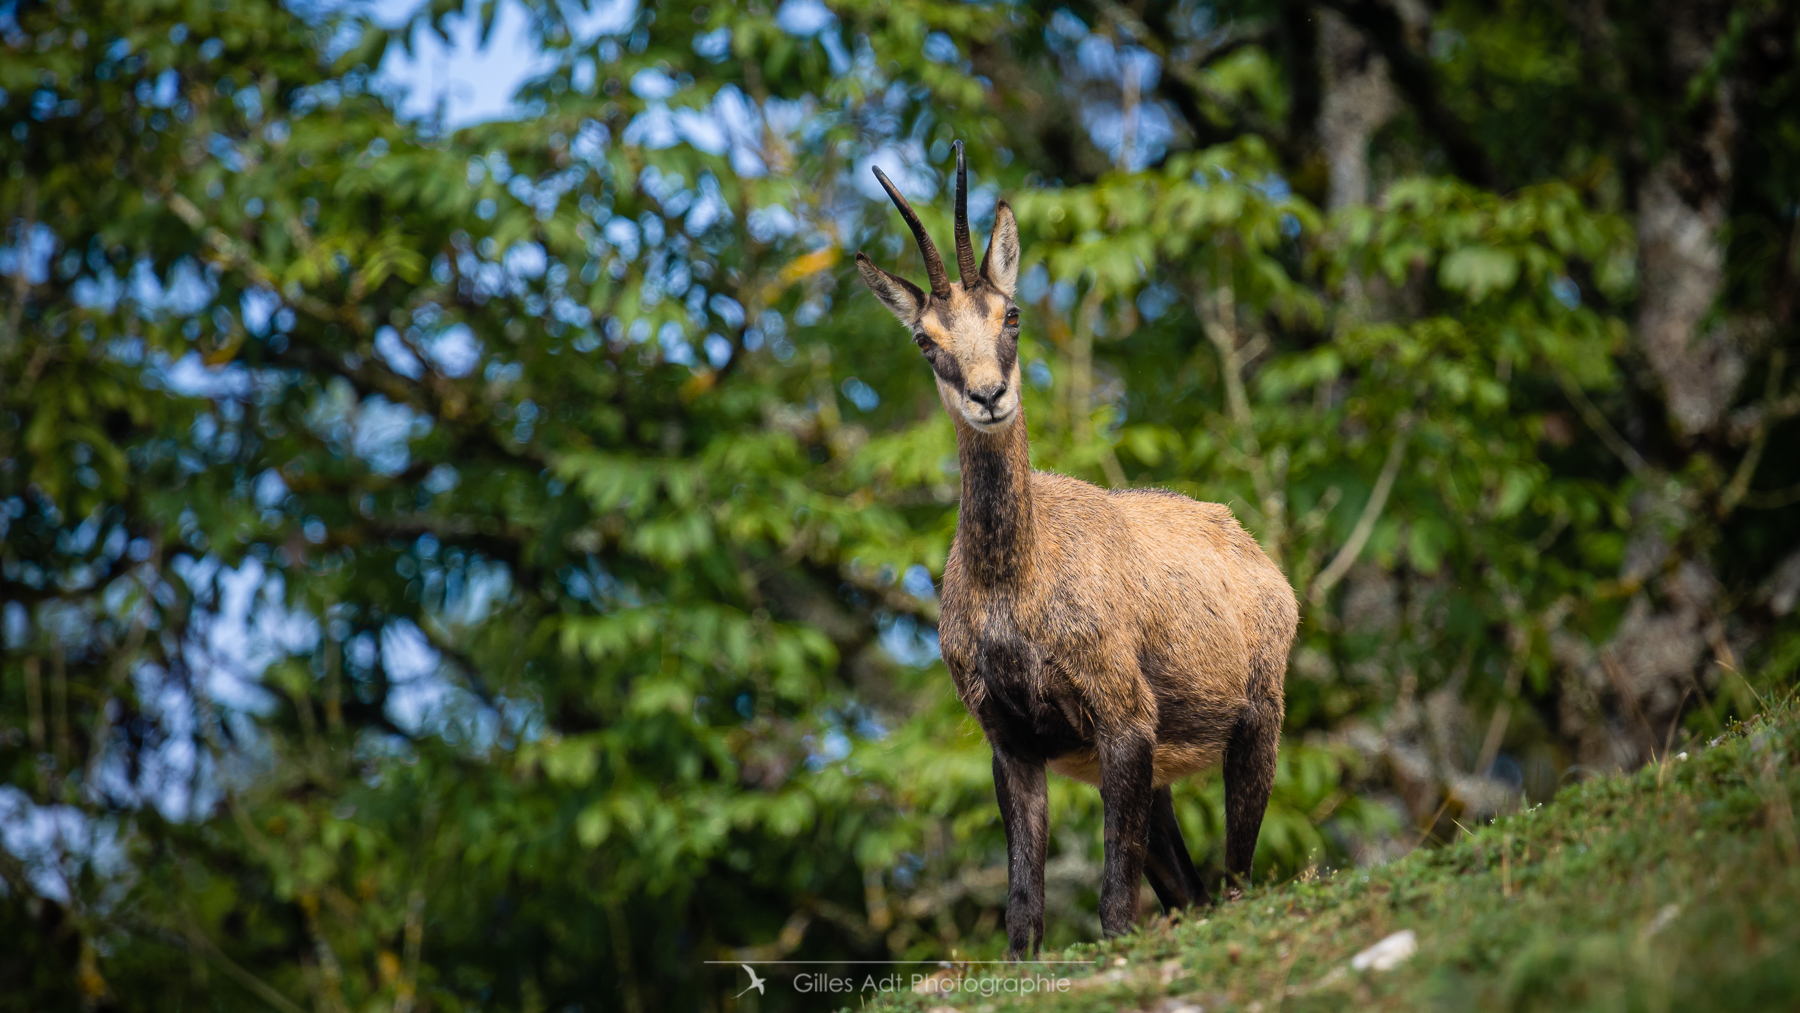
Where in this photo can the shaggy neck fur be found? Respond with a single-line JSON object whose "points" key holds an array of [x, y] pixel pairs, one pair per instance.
{"points": [[994, 527]]}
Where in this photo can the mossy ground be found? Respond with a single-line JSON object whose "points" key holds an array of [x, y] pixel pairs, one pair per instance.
{"points": [[1673, 888]]}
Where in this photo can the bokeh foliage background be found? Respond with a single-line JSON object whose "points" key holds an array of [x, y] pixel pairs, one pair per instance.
{"points": [[492, 568]]}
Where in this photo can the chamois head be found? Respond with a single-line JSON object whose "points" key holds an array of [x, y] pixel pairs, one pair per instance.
{"points": [[969, 331]]}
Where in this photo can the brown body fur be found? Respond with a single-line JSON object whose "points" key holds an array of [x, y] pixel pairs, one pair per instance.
{"points": [[1126, 639], [1145, 610]]}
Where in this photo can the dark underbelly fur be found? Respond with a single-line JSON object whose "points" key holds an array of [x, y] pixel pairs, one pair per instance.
{"points": [[1017, 718], [1042, 726]]}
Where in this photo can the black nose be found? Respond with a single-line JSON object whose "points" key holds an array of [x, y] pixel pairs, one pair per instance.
{"points": [[988, 398]]}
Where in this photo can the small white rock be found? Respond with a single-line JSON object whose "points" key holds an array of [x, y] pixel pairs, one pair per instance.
{"points": [[1387, 954]]}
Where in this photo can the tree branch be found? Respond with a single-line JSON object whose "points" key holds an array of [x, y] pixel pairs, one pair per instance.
{"points": [[1218, 317], [1602, 428], [258, 987], [15, 313], [1182, 82], [1365, 525], [1411, 72], [1773, 413]]}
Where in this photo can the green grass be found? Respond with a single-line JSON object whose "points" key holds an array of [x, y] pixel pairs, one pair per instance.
{"points": [[1674, 888]]}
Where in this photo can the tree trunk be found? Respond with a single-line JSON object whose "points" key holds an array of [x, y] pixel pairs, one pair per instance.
{"points": [[1682, 202], [1358, 100]]}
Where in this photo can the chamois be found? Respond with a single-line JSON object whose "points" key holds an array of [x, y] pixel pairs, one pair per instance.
{"points": [[1124, 638]]}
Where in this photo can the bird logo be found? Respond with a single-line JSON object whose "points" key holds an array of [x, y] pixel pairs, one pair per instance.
{"points": [[755, 982]]}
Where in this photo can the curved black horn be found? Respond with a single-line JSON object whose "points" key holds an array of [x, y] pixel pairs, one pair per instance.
{"points": [[934, 264], [965, 251]]}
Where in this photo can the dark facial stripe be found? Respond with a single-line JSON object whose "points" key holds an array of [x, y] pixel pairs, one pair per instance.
{"points": [[1009, 352], [945, 365]]}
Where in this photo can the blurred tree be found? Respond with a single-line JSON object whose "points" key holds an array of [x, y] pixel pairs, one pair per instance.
{"points": [[494, 567]]}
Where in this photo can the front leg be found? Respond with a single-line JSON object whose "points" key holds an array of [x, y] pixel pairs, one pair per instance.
{"points": [[1127, 776], [1025, 811]]}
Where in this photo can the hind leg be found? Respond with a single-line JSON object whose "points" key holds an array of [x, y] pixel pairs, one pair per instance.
{"points": [[1249, 775], [1166, 861]]}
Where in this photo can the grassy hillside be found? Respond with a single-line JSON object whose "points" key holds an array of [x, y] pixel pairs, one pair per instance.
{"points": [[1674, 888]]}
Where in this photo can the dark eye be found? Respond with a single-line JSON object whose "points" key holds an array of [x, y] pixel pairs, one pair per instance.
{"points": [[1012, 316]]}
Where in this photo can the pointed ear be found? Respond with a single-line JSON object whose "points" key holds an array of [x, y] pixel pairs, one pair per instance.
{"points": [[1000, 265], [901, 297]]}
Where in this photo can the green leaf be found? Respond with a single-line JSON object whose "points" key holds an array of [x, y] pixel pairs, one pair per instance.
{"points": [[1477, 271]]}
